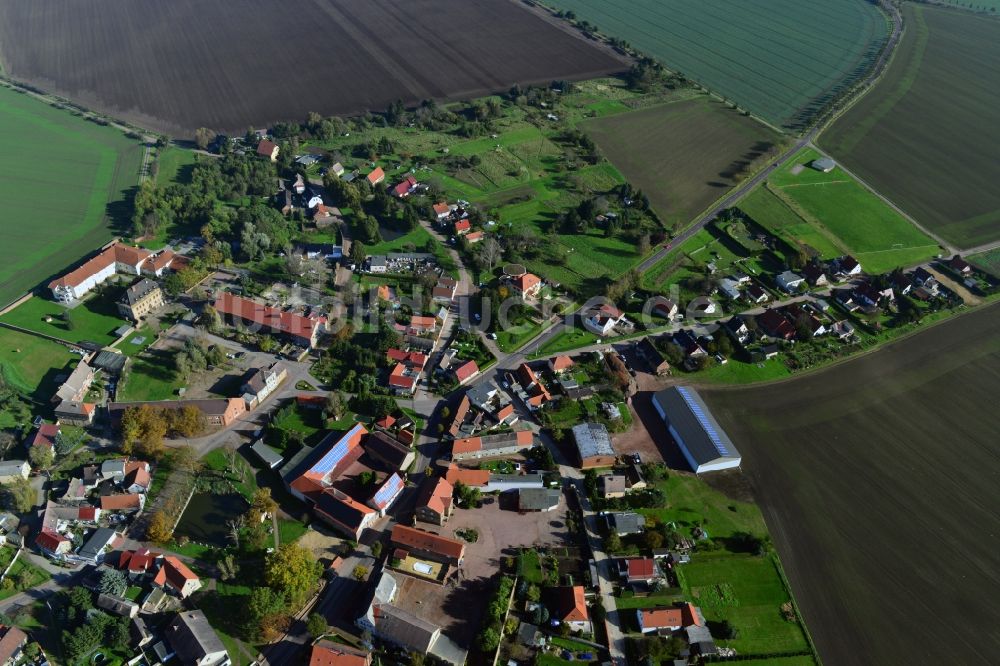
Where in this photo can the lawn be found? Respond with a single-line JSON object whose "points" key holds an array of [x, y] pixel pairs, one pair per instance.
{"points": [[94, 320], [290, 530], [691, 501], [748, 591], [174, 165], [764, 207], [31, 363], [737, 372], [684, 155], [63, 182], [529, 566], [566, 340], [925, 137], [151, 376], [851, 218], [761, 56], [856, 450], [32, 574]]}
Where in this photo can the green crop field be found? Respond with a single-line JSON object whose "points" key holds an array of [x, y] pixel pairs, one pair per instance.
{"points": [[31, 363], [683, 155], [877, 479], [988, 261], [835, 215], [926, 136], [58, 175], [781, 60]]}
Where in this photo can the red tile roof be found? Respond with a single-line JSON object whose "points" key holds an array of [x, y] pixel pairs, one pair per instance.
{"points": [[116, 253], [437, 497], [662, 618], [136, 473], [441, 209], [641, 568], [289, 323], [174, 572], [470, 477], [574, 605], [335, 656], [386, 422], [45, 435], [50, 540], [409, 537], [466, 445], [463, 225], [376, 176], [466, 370], [266, 148], [560, 363], [119, 502], [12, 639], [87, 513], [526, 282]]}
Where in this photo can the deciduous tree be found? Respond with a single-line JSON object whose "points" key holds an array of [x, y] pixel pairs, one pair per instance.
{"points": [[293, 571]]}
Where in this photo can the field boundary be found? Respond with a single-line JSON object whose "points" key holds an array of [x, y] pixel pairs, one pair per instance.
{"points": [[960, 311]]}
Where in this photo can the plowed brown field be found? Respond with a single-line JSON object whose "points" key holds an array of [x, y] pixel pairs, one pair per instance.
{"points": [[179, 65], [878, 479]]}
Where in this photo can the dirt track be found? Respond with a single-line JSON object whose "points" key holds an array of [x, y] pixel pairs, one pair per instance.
{"points": [[176, 66]]}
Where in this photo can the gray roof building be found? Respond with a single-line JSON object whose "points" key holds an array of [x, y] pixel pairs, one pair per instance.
{"points": [[704, 443], [267, 455], [194, 641], [625, 523], [95, 547], [592, 442], [109, 361], [538, 499]]}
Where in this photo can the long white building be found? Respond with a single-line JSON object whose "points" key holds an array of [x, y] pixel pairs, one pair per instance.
{"points": [[704, 443]]}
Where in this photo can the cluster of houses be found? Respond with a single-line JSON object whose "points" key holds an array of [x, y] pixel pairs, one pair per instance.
{"points": [[302, 328], [81, 526], [331, 477]]}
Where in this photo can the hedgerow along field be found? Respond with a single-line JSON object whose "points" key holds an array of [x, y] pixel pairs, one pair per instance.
{"points": [[59, 174], [927, 135], [782, 60], [877, 479], [834, 215], [684, 155], [177, 66]]}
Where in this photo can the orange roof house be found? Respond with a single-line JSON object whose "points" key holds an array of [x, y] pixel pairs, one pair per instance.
{"points": [[326, 653], [573, 605], [301, 329], [376, 176], [561, 364], [176, 575], [441, 210], [463, 227], [268, 149], [116, 258], [474, 478], [126, 502], [427, 544], [528, 284], [466, 371], [434, 503]]}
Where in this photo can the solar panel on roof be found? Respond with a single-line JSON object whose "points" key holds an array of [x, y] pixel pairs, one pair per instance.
{"points": [[703, 420], [388, 490], [326, 464]]}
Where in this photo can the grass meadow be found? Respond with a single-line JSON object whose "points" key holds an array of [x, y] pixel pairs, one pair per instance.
{"points": [[93, 320], [926, 136], [837, 215], [683, 155], [31, 363], [62, 180], [877, 480], [780, 60]]}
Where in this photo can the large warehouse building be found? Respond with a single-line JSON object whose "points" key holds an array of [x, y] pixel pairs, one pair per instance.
{"points": [[704, 443]]}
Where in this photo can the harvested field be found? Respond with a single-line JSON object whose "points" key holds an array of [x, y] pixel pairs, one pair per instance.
{"points": [[176, 66], [782, 59], [62, 180], [877, 479], [683, 155], [926, 136]]}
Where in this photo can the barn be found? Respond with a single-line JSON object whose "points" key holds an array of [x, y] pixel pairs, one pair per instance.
{"points": [[704, 443]]}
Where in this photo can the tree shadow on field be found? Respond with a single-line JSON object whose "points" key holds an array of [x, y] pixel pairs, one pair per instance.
{"points": [[119, 212]]}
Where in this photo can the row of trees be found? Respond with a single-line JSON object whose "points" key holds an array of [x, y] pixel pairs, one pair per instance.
{"points": [[143, 428]]}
